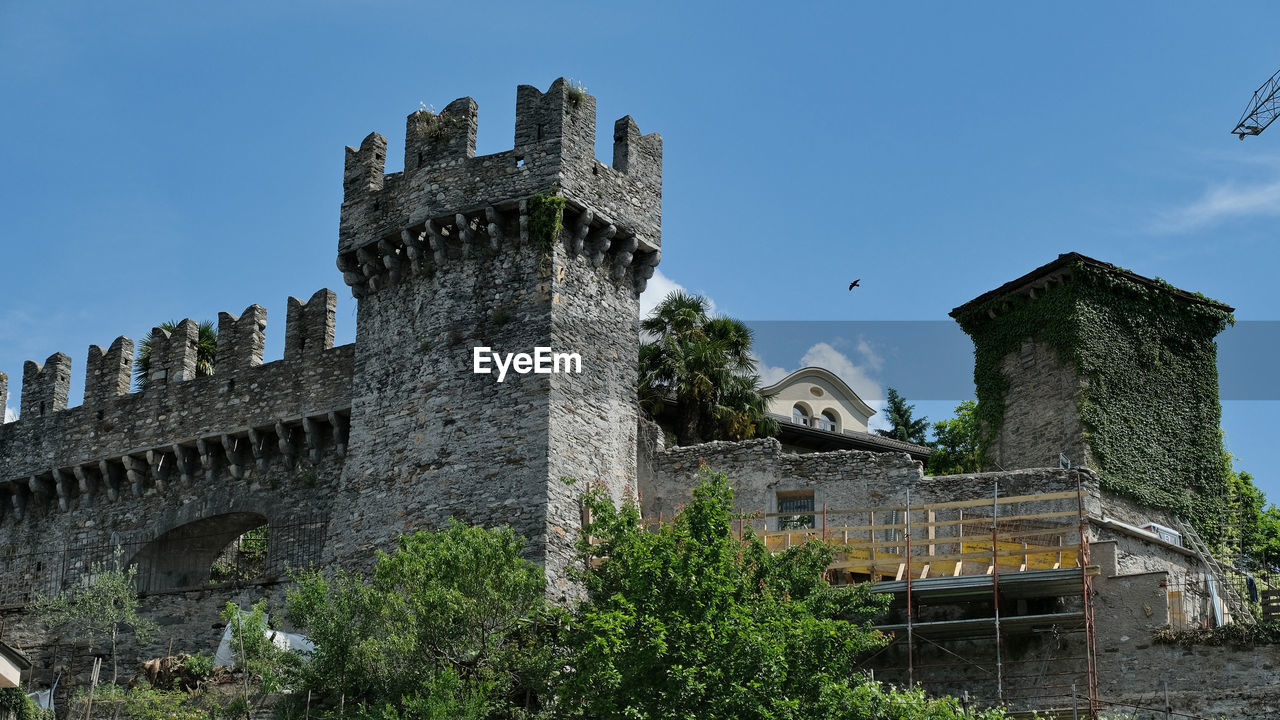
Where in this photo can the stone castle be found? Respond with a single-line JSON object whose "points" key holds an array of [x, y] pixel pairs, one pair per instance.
{"points": [[338, 450]]}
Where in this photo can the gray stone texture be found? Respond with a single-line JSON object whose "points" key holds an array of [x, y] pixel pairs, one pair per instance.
{"points": [[442, 260], [1042, 412]]}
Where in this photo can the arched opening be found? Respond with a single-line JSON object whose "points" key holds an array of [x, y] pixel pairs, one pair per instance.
{"points": [[185, 556], [800, 415], [829, 420]]}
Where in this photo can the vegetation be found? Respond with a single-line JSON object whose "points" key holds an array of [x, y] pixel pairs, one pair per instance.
{"points": [[690, 622], [14, 703], [447, 626], [268, 665], [546, 219], [206, 351], [103, 607], [1233, 634], [903, 426], [705, 364], [1151, 408], [957, 443], [1253, 529]]}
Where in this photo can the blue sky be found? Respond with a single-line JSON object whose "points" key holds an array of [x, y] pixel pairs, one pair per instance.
{"points": [[168, 160]]}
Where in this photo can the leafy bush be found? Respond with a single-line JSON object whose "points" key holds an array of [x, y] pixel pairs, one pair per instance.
{"points": [[254, 651], [14, 702], [689, 621], [451, 622]]}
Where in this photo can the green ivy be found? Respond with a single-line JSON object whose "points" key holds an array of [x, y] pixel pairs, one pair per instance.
{"points": [[1233, 634], [1150, 407], [15, 703], [546, 219]]}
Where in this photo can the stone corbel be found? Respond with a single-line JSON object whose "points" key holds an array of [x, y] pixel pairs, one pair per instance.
{"points": [[370, 266], [413, 249], [159, 464], [208, 460], [465, 233], [495, 227], [285, 438], [644, 271], [88, 488], [136, 471], [185, 463], [312, 434], [230, 446], [624, 250], [581, 227], [341, 431], [257, 443], [436, 239], [62, 485], [390, 259], [110, 479], [598, 243], [351, 275]]}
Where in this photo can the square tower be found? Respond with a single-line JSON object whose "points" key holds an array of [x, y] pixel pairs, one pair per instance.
{"points": [[1115, 371], [541, 246]]}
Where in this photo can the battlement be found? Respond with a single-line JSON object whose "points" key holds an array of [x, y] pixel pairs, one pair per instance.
{"points": [[243, 421], [449, 205]]}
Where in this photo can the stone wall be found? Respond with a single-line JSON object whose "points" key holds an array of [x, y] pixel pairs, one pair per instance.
{"points": [[446, 257], [1042, 411]]}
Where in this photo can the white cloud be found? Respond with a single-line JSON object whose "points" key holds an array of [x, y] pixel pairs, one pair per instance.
{"points": [[10, 415], [855, 376], [870, 355], [769, 374], [1220, 203], [659, 287]]}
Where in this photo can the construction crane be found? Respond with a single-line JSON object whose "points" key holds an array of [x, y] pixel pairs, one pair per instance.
{"points": [[1262, 110]]}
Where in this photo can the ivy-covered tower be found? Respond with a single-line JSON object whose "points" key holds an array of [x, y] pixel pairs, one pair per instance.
{"points": [[540, 246], [1116, 371]]}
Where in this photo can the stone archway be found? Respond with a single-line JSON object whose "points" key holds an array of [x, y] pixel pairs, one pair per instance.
{"points": [[181, 557]]}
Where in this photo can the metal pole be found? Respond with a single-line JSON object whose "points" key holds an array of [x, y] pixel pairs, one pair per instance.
{"points": [[1091, 662], [995, 589], [911, 672], [1075, 713], [1167, 709]]}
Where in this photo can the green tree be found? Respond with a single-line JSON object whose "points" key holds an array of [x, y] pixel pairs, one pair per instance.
{"points": [[705, 363], [689, 621], [957, 442], [206, 351], [902, 425], [447, 620], [1254, 524], [103, 607]]}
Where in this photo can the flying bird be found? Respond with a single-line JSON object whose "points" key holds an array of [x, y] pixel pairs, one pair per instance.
{"points": [[855, 284]]}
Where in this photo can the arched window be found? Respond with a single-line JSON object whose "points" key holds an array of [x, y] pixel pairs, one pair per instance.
{"points": [[800, 415], [828, 420]]}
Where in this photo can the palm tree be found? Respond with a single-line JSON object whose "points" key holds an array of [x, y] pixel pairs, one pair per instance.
{"points": [[705, 363], [206, 352]]}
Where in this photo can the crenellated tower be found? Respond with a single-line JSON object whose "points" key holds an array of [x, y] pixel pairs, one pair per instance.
{"points": [[538, 246]]}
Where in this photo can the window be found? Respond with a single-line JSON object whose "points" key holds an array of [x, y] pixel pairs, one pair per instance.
{"points": [[828, 420], [800, 415], [799, 502]]}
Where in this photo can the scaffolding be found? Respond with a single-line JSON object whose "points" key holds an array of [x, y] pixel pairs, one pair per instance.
{"points": [[999, 591]]}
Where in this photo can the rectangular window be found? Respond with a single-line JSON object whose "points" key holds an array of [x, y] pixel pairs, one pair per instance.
{"points": [[799, 502]]}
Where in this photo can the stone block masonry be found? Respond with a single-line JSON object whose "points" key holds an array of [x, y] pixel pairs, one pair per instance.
{"points": [[393, 433], [449, 255]]}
